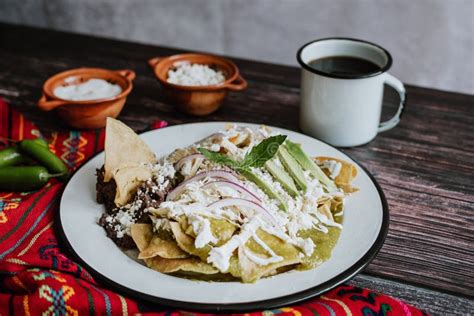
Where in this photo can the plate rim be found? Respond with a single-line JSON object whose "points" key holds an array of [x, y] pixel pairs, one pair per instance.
{"points": [[281, 301]]}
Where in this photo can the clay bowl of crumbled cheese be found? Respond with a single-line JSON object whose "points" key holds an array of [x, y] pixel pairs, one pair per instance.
{"points": [[197, 83], [85, 97]]}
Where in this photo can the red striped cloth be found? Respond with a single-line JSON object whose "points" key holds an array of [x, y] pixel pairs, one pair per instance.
{"points": [[37, 278]]}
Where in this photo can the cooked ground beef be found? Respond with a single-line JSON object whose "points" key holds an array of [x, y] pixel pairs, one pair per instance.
{"points": [[148, 194]]}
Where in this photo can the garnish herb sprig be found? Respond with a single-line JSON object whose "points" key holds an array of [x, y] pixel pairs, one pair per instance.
{"points": [[256, 158]]}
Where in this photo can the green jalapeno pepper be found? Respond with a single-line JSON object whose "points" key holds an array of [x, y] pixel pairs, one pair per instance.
{"points": [[23, 179], [10, 156], [45, 157], [40, 141]]}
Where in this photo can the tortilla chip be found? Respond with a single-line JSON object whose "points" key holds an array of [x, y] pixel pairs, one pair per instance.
{"points": [[280, 270], [189, 231], [234, 268], [175, 265], [151, 245], [186, 245], [325, 209], [216, 277], [186, 242], [337, 204], [251, 271], [180, 153], [167, 249], [222, 230], [141, 235], [240, 139], [347, 174], [128, 179], [123, 148]]}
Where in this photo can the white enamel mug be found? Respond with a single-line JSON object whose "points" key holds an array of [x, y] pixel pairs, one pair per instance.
{"points": [[344, 110]]}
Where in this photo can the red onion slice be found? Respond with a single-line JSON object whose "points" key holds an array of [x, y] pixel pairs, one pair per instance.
{"points": [[221, 174], [183, 160], [246, 203], [237, 187]]}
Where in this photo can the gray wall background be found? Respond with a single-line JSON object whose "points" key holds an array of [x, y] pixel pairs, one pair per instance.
{"points": [[432, 41]]}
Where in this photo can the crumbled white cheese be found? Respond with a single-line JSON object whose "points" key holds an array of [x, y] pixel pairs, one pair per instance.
{"points": [[187, 74], [119, 230], [124, 218], [162, 172], [160, 223]]}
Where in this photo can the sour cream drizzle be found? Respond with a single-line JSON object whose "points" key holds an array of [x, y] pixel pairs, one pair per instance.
{"points": [[220, 256], [91, 89], [202, 229]]}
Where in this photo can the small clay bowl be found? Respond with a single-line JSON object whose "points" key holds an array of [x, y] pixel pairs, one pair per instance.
{"points": [[197, 100], [90, 113]]}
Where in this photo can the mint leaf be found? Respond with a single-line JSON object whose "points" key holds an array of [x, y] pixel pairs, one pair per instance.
{"points": [[262, 152], [256, 158], [219, 158]]}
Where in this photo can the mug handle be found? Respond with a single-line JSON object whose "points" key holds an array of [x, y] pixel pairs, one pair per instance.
{"points": [[397, 85]]}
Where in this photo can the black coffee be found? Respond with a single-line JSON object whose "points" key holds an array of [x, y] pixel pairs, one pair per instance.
{"points": [[344, 66]]}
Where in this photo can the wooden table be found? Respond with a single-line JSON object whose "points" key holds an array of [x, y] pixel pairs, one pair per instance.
{"points": [[425, 165]]}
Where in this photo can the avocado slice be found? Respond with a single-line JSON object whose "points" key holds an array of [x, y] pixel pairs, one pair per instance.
{"points": [[265, 187], [282, 176], [292, 167], [308, 164]]}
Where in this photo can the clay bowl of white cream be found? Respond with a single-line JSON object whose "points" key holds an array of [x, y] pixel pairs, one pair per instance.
{"points": [[197, 83], [84, 97]]}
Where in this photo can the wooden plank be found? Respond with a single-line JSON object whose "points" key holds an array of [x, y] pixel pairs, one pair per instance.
{"points": [[432, 302], [424, 165]]}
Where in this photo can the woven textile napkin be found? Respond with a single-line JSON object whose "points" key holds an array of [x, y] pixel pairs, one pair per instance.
{"points": [[38, 278]]}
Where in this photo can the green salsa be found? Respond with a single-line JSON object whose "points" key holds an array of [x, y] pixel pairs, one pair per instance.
{"points": [[324, 244]]}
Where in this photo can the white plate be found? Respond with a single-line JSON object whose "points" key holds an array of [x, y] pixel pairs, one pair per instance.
{"points": [[365, 228]]}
